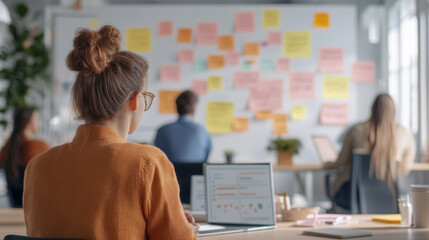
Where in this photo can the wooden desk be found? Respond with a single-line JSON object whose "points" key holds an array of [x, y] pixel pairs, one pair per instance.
{"points": [[307, 171], [12, 222], [285, 230]]}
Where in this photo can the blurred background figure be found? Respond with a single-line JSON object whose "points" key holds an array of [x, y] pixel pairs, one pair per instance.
{"points": [[390, 144], [184, 141], [19, 149]]}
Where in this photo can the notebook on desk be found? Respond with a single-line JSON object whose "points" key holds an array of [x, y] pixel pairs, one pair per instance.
{"points": [[239, 198]]}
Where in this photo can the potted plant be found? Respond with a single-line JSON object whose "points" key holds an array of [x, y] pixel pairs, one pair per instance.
{"points": [[285, 149], [24, 62], [229, 154]]}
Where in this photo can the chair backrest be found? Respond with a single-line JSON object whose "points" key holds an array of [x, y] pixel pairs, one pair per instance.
{"points": [[17, 237], [184, 171], [368, 194]]}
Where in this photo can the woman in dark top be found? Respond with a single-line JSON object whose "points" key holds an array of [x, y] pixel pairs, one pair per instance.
{"points": [[19, 149]]}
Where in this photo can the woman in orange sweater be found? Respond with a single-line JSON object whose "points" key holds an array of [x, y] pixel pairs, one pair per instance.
{"points": [[19, 149], [99, 186]]}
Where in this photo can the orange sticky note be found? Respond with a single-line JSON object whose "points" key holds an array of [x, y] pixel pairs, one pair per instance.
{"points": [[226, 43], [280, 124], [264, 115], [184, 35], [216, 62], [167, 101], [321, 20], [165, 29], [251, 49], [241, 124]]}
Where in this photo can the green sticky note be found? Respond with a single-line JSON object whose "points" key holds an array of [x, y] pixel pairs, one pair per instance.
{"points": [[200, 65], [267, 65]]}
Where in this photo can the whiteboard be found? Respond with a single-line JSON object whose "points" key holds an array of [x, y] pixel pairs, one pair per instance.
{"points": [[250, 146]]}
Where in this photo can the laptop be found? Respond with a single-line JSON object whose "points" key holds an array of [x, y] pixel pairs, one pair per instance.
{"points": [[239, 198], [325, 149]]}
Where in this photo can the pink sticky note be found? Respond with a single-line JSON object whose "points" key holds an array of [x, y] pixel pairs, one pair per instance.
{"points": [[274, 38], [301, 85], [334, 114], [232, 58], [266, 95], [207, 34], [170, 73], [245, 79], [331, 60], [282, 65], [363, 72], [199, 87], [186, 56], [165, 29], [244, 22]]}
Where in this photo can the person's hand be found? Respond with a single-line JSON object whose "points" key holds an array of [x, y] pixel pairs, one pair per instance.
{"points": [[191, 222]]}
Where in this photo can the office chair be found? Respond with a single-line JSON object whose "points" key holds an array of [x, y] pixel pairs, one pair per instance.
{"points": [[368, 194], [17, 237], [184, 171]]}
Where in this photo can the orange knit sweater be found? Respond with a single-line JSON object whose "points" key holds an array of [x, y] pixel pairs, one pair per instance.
{"points": [[100, 187]]}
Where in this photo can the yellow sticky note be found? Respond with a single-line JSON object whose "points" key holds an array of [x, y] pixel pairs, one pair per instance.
{"points": [[220, 117], [321, 20], [264, 115], [387, 218], [336, 87], [271, 18], [280, 124], [226, 43], [214, 83], [139, 39], [251, 49], [184, 35], [94, 22], [167, 101], [297, 44], [299, 112], [241, 124], [216, 62]]}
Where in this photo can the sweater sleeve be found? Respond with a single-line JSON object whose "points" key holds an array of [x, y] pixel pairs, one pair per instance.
{"points": [[163, 211]]}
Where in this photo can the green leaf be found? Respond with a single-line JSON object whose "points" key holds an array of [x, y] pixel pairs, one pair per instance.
{"points": [[13, 30], [21, 9]]}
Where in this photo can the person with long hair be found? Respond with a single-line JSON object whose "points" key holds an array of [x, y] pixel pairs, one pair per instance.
{"points": [[99, 186], [391, 145], [19, 149]]}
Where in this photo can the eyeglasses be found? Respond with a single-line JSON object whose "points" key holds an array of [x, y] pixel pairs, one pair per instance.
{"points": [[148, 99]]}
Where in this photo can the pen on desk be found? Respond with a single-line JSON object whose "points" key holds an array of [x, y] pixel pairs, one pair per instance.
{"points": [[287, 201]]}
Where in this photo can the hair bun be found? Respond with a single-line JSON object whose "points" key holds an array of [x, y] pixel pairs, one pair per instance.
{"points": [[93, 50]]}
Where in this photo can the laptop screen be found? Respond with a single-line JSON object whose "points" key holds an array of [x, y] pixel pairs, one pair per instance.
{"points": [[240, 194]]}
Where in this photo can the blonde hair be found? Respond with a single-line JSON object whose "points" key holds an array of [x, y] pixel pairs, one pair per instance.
{"points": [[381, 138]]}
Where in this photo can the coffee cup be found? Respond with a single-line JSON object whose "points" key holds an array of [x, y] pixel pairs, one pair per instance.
{"points": [[420, 205]]}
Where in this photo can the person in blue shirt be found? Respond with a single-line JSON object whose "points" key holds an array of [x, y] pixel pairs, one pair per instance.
{"points": [[184, 141]]}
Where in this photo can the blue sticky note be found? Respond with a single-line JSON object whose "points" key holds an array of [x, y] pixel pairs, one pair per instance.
{"points": [[267, 65], [200, 65]]}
